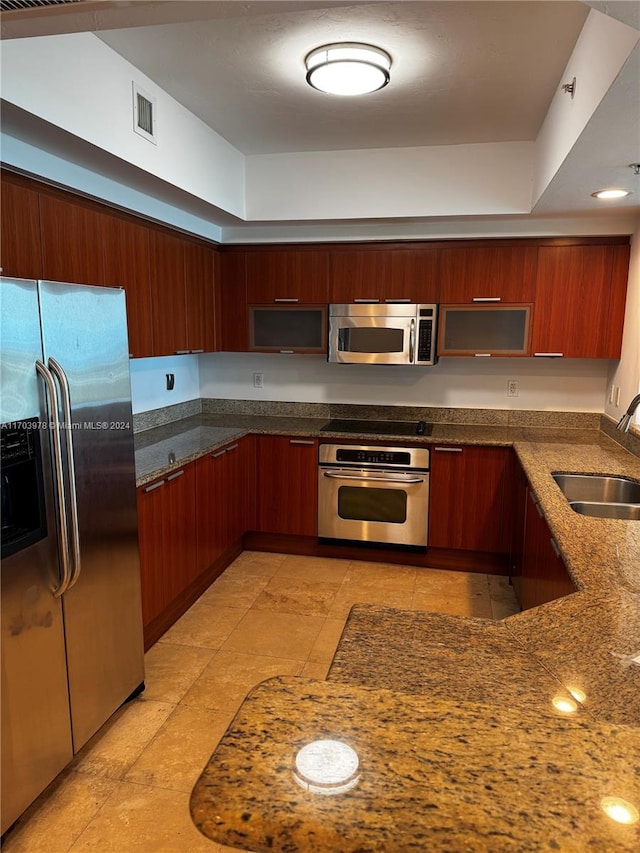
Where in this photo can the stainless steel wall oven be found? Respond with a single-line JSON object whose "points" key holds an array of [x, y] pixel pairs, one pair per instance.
{"points": [[374, 494]]}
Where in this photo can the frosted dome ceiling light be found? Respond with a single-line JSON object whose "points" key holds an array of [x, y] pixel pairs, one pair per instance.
{"points": [[348, 68]]}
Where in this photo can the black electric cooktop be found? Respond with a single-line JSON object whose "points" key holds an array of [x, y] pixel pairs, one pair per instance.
{"points": [[379, 427]]}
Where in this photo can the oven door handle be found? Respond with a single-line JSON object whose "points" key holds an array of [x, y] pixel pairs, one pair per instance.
{"points": [[367, 478]]}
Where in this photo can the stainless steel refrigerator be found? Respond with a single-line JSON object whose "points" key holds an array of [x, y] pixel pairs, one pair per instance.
{"points": [[71, 629]]}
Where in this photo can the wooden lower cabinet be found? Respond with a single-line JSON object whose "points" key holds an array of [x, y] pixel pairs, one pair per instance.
{"points": [[287, 485], [467, 487], [544, 575], [167, 539]]}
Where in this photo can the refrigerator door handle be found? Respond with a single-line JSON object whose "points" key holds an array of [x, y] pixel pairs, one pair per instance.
{"points": [[61, 376], [59, 482]]}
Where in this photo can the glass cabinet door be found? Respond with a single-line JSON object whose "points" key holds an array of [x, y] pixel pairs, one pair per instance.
{"points": [[484, 330], [288, 328]]}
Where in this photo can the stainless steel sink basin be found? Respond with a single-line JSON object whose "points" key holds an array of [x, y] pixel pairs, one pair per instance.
{"points": [[601, 496]]}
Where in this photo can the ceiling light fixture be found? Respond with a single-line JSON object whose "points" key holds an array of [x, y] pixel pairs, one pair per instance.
{"points": [[609, 194], [348, 68]]}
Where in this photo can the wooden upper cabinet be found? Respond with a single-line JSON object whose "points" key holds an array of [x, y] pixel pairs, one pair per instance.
{"points": [[20, 248], [384, 274], [126, 265], [232, 307], [167, 263], [579, 307], [287, 275], [72, 241], [200, 298], [492, 273]]}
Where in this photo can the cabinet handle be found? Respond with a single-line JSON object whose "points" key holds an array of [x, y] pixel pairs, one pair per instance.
{"points": [[218, 454], [301, 441], [392, 301], [231, 447], [548, 354], [483, 355], [183, 352], [195, 351], [282, 299], [486, 299], [154, 486], [286, 351], [448, 449], [366, 300], [554, 545], [175, 476], [538, 509]]}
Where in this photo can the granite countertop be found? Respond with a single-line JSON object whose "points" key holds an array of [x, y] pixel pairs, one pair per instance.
{"points": [[471, 734]]}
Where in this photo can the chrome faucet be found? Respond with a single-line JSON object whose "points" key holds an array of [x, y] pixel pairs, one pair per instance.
{"points": [[625, 420]]}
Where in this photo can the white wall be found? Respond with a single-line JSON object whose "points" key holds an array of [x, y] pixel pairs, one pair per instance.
{"points": [[625, 374], [149, 383], [545, 384]]}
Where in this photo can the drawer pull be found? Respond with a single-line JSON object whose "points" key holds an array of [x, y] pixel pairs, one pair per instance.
{"points": [[196, 351], [231, 447], [448, 449], [154, 486], [301, 441], [218, 454], [539, 509], [175, 476], [183, 352], [286, 351], [366, 300], [548, 354], [397, 301], [282, 299], [483, 355], [554, 545], [486, 299]]}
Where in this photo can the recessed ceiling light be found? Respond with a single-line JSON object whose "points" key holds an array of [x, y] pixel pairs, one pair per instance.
{"points": [[348, 68], [611, 194]]}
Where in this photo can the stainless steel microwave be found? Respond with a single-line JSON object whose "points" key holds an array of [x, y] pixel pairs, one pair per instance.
{"points": [[389, 333]]}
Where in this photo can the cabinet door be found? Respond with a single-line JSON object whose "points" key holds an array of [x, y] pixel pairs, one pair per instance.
{"points": [[287, 485], [484, 330], [234, 329], [544, 575], [240, 490], [180, 497], [20, 248], [126, 264], [211, 507], [495, 273], [579, 295], [288, 328], [72, 241], [379, 275], [287, 276], [466, 493], [168, 292], [199, 293]]}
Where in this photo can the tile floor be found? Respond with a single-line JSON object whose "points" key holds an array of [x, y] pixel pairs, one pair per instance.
{"points": [[268, 614]]}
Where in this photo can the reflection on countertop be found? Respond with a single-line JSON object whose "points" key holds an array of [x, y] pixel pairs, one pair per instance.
{"points": [[522, 734]]}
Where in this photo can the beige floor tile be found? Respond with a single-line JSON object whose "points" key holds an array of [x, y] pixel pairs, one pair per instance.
{"points": [[256, 564], [451, 583], [176, 756], [312, 669], [503, 607], [230, 676], [204, 625], [398, 578], [477, 605], [289, 595], [351, 594], [237, 590], [142, 819], [324, 647], [500, 585], [318, 569], [59, 815], [280, 635], [170, 670], [114, 748]]}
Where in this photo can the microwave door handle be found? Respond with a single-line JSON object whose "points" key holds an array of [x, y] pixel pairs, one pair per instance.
{"points": [[412, 341], [61, 505], [61, 376]]}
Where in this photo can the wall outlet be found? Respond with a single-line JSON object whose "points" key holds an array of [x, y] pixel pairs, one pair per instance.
{"points": [[512, 388], [258, 380]]}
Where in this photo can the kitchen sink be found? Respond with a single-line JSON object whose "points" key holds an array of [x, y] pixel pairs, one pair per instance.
{"points": [[601, 496]]}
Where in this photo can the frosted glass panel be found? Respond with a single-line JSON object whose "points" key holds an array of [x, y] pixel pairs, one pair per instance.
{"points": [[482, 329], [280, 328]]}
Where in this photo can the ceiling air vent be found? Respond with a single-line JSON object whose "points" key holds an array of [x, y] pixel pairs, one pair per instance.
{"points": [[16, 5], [144, 114]]}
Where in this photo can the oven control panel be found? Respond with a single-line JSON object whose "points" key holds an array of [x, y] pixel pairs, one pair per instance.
{"points": [[383, 457]]}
